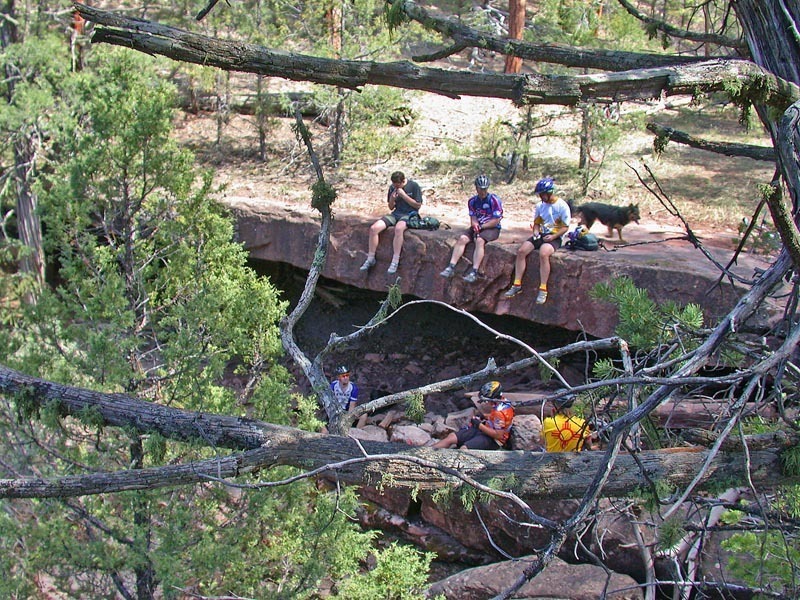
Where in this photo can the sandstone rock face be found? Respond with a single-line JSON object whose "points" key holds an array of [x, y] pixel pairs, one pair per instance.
{"points": [[669, 271], [559, 580]]}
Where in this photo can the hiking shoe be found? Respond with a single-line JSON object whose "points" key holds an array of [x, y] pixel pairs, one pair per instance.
{"points": [[448, 272], [471, 277], [541, 297], [392, 268], [513, 291], [368, 264]]}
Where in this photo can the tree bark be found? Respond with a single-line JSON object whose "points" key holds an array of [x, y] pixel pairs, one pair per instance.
{"points": [[516, 27], [539, 475], [728, 149], [561, 54], [708, 76]]}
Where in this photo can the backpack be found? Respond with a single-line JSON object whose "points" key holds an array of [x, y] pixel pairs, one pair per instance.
{"points": [[580, 239], [417, 222]]}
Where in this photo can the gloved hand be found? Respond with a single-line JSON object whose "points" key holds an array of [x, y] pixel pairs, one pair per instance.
{"points": [[475, 421]]}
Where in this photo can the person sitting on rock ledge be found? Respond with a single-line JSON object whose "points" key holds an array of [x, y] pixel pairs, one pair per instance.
{"points": [[489, 433], [404, 199], [550, 221], [485, 214]]}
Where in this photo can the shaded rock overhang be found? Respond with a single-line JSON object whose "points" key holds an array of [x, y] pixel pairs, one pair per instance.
{"points": [[672, 270]]}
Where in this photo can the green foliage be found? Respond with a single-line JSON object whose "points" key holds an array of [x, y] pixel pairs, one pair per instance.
{"points": [[790, 461], [498, 483], [650, 496], [744, 93], [670, 532], [400, 573], [443, 494], [394, 15], [154, 299], [468, 495], [375, 128], [415, 408], [323, 195], [546, 372], [642, 323], [305, 413], [768, 559]]}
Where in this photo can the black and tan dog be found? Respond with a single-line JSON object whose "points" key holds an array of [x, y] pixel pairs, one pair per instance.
{"points": [[613, 217]]}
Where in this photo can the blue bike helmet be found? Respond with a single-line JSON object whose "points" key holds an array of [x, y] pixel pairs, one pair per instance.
{"points": [[545, 186], [482, 182]]}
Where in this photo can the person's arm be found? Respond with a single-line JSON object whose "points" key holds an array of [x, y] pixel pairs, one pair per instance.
{"points": [[491, 224], [411, 202], [351, 403], [495, 434], [555, 234]]}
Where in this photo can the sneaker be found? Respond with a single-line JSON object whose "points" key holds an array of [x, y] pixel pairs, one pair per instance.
{"points": [[392, 268], [513, 291], [471, 277], [541, 297], [368, 264], [448, 272]]}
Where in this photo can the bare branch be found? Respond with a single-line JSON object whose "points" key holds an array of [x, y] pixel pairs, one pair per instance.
{"points": [[703, 38], [684, 79], [728, 149], [591, 58]]}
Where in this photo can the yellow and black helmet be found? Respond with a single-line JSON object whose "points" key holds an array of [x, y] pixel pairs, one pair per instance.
{"points": [[491, 390]]}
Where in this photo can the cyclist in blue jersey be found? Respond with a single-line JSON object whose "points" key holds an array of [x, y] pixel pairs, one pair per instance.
{"points": [[485, 213]]}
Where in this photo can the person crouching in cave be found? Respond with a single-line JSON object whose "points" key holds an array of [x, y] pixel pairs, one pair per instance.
{"points": [[484, 433], [346, 394], [565, 432]]}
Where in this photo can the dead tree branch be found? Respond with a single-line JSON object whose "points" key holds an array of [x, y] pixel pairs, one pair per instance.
{"points": [[672, 31], [686, 79], [663, 132]]}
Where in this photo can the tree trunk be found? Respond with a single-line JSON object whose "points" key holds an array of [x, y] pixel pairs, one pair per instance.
{"points": [[771, 28], [684, 79], [728, 149], [29, 224], [516, 27], [538, 475]]}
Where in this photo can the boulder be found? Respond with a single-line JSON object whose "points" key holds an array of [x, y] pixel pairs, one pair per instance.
{"points": [[527, 433], [558, 581], [410, 434], [369, 433]]}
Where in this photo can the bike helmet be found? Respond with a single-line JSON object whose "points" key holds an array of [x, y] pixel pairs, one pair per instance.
{"points": [[545, 186], [482, 182], [342, 370], [564, 402], [491, 390]]}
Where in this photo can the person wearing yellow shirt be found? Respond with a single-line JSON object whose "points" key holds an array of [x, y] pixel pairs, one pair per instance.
{"points": [[563, 431]]}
